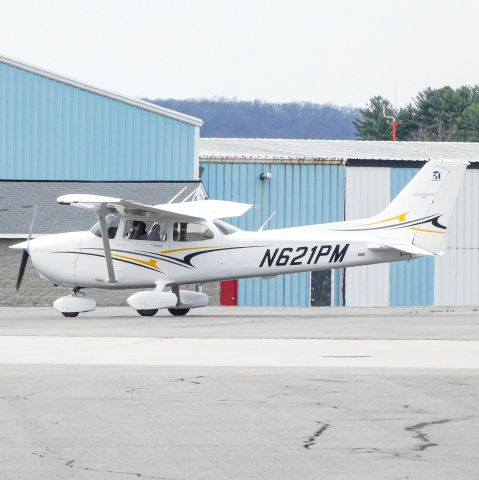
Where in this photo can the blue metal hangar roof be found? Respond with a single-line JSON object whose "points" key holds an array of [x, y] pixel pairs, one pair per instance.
{"points": [[55, 128], [349, 152]]}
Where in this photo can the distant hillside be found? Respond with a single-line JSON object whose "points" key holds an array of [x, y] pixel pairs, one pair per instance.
{"points": [[241, 119]]}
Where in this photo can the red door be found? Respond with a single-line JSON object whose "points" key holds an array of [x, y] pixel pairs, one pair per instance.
{"points": [[229, 293]]}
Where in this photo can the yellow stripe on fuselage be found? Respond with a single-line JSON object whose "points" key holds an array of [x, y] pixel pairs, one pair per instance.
{"points": [[425, 230], [401, 217], [149, 263]]}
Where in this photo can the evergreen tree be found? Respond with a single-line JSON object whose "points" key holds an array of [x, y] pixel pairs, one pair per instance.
{"points": [[371, 124], [438, 112], [468, 125], [444, 115]]}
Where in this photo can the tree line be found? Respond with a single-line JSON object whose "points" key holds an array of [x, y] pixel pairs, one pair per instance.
{"points": [[257, 119], [435, 115], [443, 115]]}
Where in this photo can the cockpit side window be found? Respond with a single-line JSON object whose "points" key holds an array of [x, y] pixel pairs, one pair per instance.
{"points": [[146, 230], [112, 222], [158, 232], [191, 232]]}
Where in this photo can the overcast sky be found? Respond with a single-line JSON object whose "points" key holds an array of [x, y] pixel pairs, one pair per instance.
{"points": [[339, 51]]}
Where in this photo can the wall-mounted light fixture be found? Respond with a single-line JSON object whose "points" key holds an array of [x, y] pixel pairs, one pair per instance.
{"points": [[265, 176]]}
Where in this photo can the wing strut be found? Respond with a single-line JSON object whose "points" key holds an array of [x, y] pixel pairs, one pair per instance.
{"points": [[101, 213]]}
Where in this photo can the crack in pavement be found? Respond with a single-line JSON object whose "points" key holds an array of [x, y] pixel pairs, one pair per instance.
{"points": [[276, 395], [386, 453], [326, 405], [136, 389], [19, 397], [425, 443], [378, 450], [49, 453], [312, 439], [192, 380]]}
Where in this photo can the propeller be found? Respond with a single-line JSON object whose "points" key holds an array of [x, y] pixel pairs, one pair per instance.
{"points": [[25, 254]]}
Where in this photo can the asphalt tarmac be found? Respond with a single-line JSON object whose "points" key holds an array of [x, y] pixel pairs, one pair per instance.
{"points": [[240, 394]]}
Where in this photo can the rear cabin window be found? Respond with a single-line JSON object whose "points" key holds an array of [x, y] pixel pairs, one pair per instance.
{"points": [[146, 230], [191, 232]]}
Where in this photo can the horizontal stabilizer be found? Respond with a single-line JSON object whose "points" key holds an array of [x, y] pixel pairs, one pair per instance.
{"points": [[405, 248]]}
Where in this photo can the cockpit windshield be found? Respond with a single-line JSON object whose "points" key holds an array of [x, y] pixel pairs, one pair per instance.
{"points": [[112, 222], [224, 227]]}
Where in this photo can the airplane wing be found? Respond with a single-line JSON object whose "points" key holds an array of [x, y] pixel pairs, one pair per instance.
{"points": [[206, 209], [187, 211]]}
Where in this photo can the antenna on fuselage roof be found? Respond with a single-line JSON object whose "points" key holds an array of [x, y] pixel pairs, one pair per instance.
{"points": [[267, 221], [177, 195]]}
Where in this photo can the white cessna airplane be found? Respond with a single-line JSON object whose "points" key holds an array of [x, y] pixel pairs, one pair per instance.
{"points": [[169, 245]]}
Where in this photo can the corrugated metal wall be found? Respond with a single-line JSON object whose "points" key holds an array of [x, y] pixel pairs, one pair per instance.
{"points": [[457, 272], [367, 193], [300, 194], [410, 282], [53, 131]]}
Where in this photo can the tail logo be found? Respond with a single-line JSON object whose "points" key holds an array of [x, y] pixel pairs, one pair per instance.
{"points": [[436, 176]]}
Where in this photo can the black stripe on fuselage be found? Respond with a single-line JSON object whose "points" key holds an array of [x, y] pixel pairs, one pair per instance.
{"points": [[181, 262], [435, 222], [187, 259], [117, 260], [158, 256], [434, 219]]}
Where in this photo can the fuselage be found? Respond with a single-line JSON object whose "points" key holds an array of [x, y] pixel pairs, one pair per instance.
{"points": [[77, 259]]}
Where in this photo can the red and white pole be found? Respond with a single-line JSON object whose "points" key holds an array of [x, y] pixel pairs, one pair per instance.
{"points": [[394, 124]]}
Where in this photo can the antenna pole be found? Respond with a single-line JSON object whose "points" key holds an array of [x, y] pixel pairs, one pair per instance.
{"points": [[394, 124]]}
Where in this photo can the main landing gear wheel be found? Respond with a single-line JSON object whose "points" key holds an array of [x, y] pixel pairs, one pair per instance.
{"points": [[70, 314], [148, 313], [178, 312]]}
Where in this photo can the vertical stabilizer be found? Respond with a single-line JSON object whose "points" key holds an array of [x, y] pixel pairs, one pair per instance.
{"points": [[420, 213]]}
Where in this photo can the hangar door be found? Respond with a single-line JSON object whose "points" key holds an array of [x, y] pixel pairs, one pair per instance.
{"points": [[300, 194], [327, 288]]}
